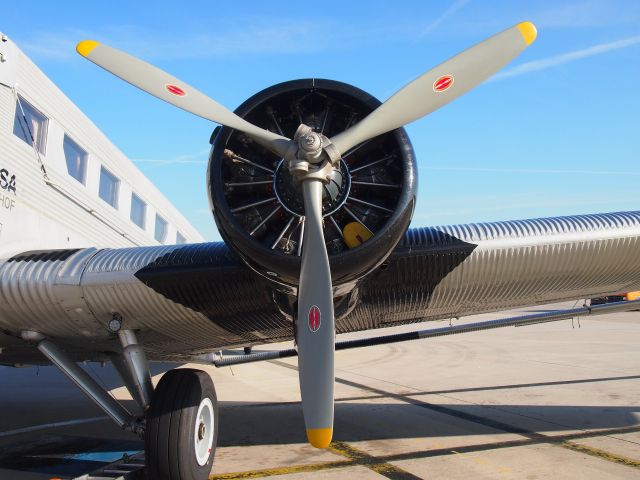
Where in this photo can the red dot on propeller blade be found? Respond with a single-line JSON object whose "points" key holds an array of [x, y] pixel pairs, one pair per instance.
{"points": [[443, 83], [176, 90], [314, 318]]}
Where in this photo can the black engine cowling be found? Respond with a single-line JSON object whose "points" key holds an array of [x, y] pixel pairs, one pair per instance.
{"points": [[258, 207]]}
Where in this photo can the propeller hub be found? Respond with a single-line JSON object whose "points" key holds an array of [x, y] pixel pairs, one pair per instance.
{"points": [[288, 189], [311, 142], [310, 149]]}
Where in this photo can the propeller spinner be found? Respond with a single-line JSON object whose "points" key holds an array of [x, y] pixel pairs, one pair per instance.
{"points": [[310, 158]]}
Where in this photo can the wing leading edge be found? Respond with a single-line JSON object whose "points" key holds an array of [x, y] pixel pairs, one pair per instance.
{"points": [[186, 300]]}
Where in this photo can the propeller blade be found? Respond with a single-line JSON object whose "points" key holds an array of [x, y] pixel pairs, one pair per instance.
{"points": [[168, 88], [315, 323], [440, 85]]}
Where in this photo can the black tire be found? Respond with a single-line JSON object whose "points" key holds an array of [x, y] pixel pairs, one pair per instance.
{"points": [[170, 435]]}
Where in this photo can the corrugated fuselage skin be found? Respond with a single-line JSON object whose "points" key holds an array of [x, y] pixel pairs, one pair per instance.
{"points": [[42, 206], [186, 300]]}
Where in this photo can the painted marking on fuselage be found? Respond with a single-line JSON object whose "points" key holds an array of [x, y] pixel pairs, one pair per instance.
{"points": [[8, 190], [7, 181], [7, 202]]}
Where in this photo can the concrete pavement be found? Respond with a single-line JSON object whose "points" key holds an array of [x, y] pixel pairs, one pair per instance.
{"points": [[543, 401]]}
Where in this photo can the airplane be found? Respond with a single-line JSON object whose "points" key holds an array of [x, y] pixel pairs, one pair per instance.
{"points": [[312, 184]]}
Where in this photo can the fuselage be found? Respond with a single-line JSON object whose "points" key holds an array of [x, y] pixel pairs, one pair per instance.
{"points": [[63, 184]]}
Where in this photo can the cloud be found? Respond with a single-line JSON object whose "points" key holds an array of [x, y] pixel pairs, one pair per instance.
{"points": [[453, 8], [591, 13], [558, 15], [509, 202], [259, 36], [554, 61], [52, 45], [280, 37]]}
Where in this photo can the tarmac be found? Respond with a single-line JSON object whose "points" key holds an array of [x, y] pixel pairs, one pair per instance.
{"points": [[554, 400]]}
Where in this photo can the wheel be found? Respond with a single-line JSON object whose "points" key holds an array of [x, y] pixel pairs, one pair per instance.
{"points": [[182, 427]]}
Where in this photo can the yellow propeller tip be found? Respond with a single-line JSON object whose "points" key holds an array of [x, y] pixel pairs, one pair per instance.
{"points": [[320, 437], [85, 47], [528, 31]]}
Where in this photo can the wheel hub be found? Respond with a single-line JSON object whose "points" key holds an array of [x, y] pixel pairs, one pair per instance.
{"points": [[203, 432]]}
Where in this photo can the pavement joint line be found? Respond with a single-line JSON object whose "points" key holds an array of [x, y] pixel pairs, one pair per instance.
{"points": [[494, 407], [602, 454], [420, 454], [457, 390], [270, 472], [524, 432], [495, 424], [371, 462], [498, 387], [354, 457], [503, 444]]}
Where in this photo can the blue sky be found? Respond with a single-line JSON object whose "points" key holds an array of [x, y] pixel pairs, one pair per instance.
{"points": [[557, 132]]}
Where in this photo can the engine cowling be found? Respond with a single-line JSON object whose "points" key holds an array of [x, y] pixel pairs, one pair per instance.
{"points": [[257, 204]]}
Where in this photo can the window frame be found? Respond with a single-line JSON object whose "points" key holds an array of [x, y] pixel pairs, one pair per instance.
{"points": [[180, 236], [134, 196], [117, 189], [18, 117], [155, 229], [75, 144]]}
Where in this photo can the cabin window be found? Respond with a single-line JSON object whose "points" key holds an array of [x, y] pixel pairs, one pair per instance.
{"points": [[161, 229], [34, 129], [109, 187], [180, 240], [76, 160], [138, 211]]}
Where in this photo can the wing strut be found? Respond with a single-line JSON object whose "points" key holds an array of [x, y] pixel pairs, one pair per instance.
{"points": [[519, 321]]}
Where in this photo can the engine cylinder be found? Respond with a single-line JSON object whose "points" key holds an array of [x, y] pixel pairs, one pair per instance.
{"points": [[257, 203]]}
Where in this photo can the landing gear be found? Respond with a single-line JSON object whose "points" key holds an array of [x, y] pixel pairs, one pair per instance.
{"points": [[182, 426]]}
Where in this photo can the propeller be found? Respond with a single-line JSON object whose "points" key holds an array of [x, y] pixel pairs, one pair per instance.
{"points": [[315, 330], [440, 85], [176, 92], [310, 157]]}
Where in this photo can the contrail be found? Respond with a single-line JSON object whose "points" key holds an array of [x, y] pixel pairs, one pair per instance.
{"points": [[545, 63], [189, 158], [168, 161], [453, 8]]}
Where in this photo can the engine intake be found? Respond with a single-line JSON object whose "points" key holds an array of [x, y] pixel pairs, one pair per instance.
{"points": [[257, 203]]}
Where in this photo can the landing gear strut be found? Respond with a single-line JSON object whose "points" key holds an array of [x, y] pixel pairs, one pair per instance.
{"points": [[180, 423]]}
